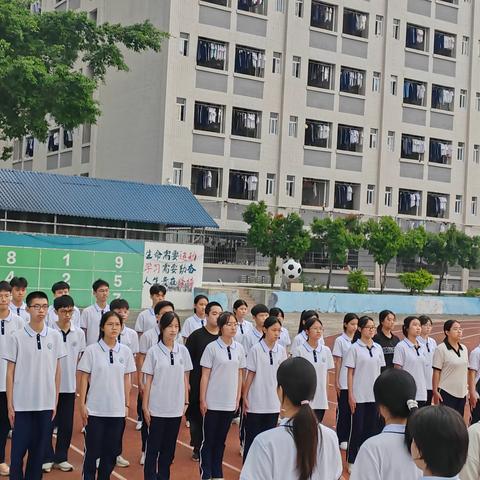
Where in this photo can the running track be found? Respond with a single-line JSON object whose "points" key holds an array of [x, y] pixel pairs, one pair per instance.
{"points": [[183, 467]]}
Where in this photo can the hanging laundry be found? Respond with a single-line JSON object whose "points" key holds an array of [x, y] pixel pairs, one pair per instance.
{"points": [[211, 54], [29, 147]]}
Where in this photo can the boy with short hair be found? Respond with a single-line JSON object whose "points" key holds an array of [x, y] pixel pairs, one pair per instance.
{"points": [[19, 290], [74, 342], [9, 323], [33, 382], [59, 289], [260, 313], [146, 319], [91, 316]]}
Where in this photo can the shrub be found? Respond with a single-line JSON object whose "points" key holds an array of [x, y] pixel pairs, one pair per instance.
{"points": [[473, 292], [417, 281], [357, 281]]}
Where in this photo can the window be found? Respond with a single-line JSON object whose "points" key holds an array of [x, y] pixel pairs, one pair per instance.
{"points": [[177, 173], [437, 205], [206, 181], [352, 81], [350, 138], [212, 54], [181, 109], [317, 134], [388, 196], [391, 141], [296, 66], [314, 192], [440, 151], [476, 153], [477, 101], [393, 84], [277, 62], [67, 139], [273, 124], [224, 3], [474, 205], [253, 6], [413, 147], [270, 184], [444, 44], [320, 75], [463, 99], [465, 45], [378, 25], [396, 28], [458, 204], [280, 6], [293, 126], [409, 202], [355, 23], [29, 146], [290, 186], [443, 98], [323, 15], [209, 117], [373, 138], [249, 61], [299, 8], [184, 41], [376, 81], [243, 185], [246, 123], [370, 194], [414, 92], [417, 37], [53, 140], [346, 196], [461, 151], [86, 133]]}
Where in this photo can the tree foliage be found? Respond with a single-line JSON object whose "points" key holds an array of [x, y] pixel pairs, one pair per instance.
{"points": [[417, 281], [412, 244]]}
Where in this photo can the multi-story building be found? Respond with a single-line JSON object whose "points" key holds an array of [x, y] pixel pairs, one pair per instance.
{"points": [[354, 106]]}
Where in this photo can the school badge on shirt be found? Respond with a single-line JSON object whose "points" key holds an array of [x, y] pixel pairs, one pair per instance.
{"points": [[49, 346]]}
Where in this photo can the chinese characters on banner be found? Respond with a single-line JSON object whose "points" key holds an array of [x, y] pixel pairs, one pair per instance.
{"points": [[177, 266]]}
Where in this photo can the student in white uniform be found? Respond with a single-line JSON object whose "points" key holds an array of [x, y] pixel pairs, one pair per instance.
{"points": [[364, 362], [450, 369], [9, 323], [438, 442], [321, 358], [259, 315], [106, 366], [91, 316], [385, 456], [222, 364], [300, 447], [260, 400], [430, 346], [165, 398], [197, 320], [146, 318], [19, 290], [474, 384], [73, 339], [284, 339], [59, 289], [240, 309], [33, 382], [302, 334], [471, 470], [410, 355], [340, 348]]}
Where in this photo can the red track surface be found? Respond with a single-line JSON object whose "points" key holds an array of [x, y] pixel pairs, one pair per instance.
{"points": [[183, 467]]}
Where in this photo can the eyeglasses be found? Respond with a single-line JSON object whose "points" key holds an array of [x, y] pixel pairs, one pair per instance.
{"points": [[37, 307], [64, 311], [369, 328], [231, 324]]}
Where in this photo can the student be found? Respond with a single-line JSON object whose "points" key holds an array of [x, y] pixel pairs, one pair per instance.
{"points": [[450, 369], [471, 470], [321, 358], [59, 289], [33, 381], [19, 290], [340, 348], [196, 344], [474, 384], [385, 456], [385, 336], [146, 318], [222, 365], [165, 397], [430, 346], [240, 309], [73, 339], [284, 339], [260, 401], [410, 355], [364, 362], [197, 320], [91, 316], [9, 323], [300, 447], [259, 315], [302, 336], [438, 441], [106, 367]]}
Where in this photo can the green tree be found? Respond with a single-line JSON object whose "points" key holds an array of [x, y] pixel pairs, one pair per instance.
{"points": [[275, 236], [383, 240], [40, 76], [335, 237], [417, 281], [412, 244]]}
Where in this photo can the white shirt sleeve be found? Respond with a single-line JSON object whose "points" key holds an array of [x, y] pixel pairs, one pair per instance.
{"points": [[143, 346], [366, 465], [83, 342], [84, 319], [438, 358], [187, 361], [12, 350], [148, 366], [135, 346], [351, 358], [243, 360], [474, 360], [471, 470], [337, 348], [382, 358], [139, 325], [330, 362], [399, 355], [130, 366], [207, 357], [252, 360], [258, 465], [85, 363]]}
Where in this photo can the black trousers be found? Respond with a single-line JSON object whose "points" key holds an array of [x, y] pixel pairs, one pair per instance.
{"points": [[196, 426], [161, 443], [216, 424], [103, 440], [64, 422], [429, 397], [456, 403], [4, 425], [256, 423], [344, 417], [365, 424]]}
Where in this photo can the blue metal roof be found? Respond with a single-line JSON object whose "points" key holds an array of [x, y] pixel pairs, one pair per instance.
{"points": [[37, 192]]}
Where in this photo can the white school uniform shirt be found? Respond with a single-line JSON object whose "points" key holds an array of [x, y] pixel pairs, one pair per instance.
{"points": [[342, 345], [52, 317], [474, 362], [146, 320], [35, 357], [262, 396], [167, 393], [367, 367], [129, 337], [75, 344], [191, 324], [414, 362], [8, 326], [453, 369], [322, 360], [301, 338], [242, 330], [20, 311], [273, 456], [107, 368], [90, 320], [385, 457], [284, 339], [223, 382], [471, 469], [430, 346], [149, 339], [250, 339]]}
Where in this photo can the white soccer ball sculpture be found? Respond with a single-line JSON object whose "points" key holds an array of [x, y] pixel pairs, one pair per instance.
{"points": [[291, 270]]}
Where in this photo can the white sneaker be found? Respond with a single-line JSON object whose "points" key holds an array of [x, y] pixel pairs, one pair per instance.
{"points": [[97, 462], [9, 434], [343, 445], [139, 424], [187, 424], [236, 421], [63, 466], [142, 459], [350, 465], [82, 430], [55, 430], [241, 450], [122, 462], [47, 467]]}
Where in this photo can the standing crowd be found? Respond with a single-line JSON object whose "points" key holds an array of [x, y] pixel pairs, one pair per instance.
{"points": [[220, 368]]}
